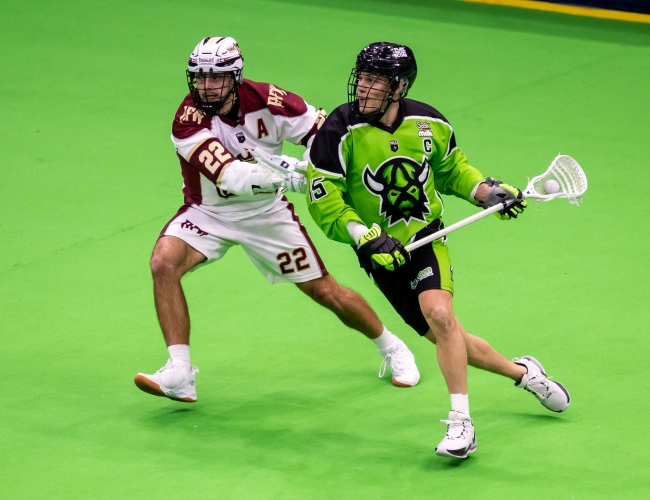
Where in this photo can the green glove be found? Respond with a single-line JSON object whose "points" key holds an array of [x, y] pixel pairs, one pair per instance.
{"points": [[501, 192], [385, 251]]}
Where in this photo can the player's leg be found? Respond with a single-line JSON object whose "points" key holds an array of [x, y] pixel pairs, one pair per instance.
{"points": [[350, 307], [431, 279], [189, 239], [437, 309], [171, 259], [281, 249], [353, 310], [436, 306], [481, 355], [526, 372]]}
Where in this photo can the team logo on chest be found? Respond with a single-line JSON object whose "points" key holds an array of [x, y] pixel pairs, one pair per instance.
{"points": [[424, 129], [399, 182], [394, 146]]}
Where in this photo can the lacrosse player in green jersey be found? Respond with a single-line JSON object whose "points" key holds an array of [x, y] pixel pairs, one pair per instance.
{"points": [[377, 169]]}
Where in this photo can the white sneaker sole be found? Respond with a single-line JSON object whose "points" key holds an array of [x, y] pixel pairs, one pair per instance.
{"points": [[445, 453], [147, 385]]}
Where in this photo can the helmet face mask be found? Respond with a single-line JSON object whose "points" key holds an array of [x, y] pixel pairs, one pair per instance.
{"points": [[382, 70], [215, 71], [370, 93]]}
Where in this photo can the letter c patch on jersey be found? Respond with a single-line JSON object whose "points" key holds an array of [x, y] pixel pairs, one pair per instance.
{"points": [[261, 129]]}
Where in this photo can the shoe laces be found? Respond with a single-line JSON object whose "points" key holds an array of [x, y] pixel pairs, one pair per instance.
{"points": [[541, 384], [395, 359], [168, 366], [384, 364], [455, 428]]}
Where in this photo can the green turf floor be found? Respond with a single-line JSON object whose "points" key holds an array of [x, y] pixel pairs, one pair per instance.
{"points": [[289, 403]]}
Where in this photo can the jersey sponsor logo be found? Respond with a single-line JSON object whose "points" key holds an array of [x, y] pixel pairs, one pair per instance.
{"points": [[424, 129], [240, 137], [399, 182], [191, 226], [394, 146], [276, 96], [425, 273], [190, 113]]}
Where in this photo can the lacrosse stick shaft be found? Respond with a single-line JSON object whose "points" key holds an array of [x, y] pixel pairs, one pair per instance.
{"points": [[443, 232]]}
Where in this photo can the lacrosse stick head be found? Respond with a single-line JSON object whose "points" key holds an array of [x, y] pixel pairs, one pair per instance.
{"points": [[271, 173], [569, 176]]}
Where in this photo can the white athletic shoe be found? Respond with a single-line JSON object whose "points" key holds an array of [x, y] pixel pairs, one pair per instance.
{"points": [[460, 439], [551, 394], [173, 382], [402, 365]]}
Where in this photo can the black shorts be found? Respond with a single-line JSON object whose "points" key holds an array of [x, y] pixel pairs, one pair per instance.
{"points": [[429, 269]]}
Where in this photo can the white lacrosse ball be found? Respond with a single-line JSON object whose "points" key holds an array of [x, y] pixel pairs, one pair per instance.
{"points": [[551, 186]]}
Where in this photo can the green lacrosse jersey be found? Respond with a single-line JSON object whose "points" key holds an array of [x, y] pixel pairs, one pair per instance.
{"points": [[392, 176]]}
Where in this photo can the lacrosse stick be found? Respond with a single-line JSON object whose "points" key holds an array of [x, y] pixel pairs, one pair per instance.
{"points": [[563, 175], [301, 167]]}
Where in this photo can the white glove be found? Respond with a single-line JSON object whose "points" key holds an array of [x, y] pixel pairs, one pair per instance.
{"points": [[283, 171], [265, 180]]}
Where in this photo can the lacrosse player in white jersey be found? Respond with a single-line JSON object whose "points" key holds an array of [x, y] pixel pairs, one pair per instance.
{"points": [[228, 133]]}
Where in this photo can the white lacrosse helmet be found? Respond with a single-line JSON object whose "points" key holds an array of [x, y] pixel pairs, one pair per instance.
{"points": [[214, 55]]}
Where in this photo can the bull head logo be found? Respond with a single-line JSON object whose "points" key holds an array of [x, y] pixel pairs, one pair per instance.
{"points": [[399, 182]]}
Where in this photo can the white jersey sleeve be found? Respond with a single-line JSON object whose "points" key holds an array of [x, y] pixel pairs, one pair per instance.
{"points": [[216, 152]]}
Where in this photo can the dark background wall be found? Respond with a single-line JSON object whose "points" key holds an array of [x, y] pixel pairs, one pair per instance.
{"points": [[628, 5]]}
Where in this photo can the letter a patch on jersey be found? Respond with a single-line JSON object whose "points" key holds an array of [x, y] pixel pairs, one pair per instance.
{"points": [[261, 129]]}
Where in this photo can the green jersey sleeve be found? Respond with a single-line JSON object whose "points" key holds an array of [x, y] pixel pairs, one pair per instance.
{"points": [[453, 174], [327, 190]]}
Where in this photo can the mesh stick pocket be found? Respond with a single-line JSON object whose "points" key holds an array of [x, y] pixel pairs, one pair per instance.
{"points": [[567, 173]]}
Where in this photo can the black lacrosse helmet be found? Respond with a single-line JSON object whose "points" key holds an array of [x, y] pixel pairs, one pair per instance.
{"points": [[391, 60]]}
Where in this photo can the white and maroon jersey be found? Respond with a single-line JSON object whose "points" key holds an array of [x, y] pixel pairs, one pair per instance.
{"points": [[208, 145]]}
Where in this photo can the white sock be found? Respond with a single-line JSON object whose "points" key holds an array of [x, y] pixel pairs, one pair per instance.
{"points": [[384, 341], [180, 354], [460, 402]]}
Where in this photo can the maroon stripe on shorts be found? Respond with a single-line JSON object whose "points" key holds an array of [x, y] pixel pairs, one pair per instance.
{"points": [[181, 210], [304, 232]]}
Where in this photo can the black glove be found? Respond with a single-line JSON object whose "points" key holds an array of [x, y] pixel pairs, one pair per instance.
{"points": [[384, 251], [500, 193]]}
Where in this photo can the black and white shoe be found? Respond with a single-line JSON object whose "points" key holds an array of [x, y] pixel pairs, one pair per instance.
{"points": [[551, 394], [460, 439]]}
